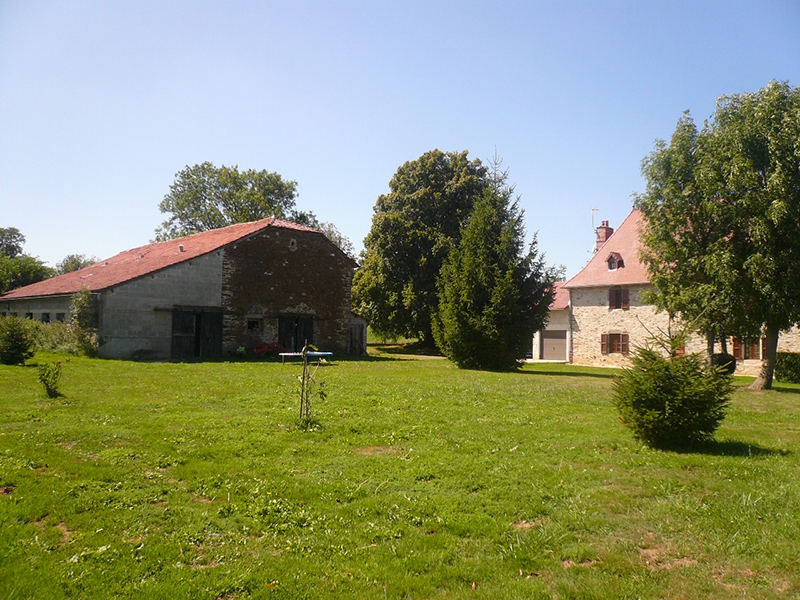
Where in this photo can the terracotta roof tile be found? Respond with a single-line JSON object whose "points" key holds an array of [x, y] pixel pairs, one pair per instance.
{"points": [[560, 298], [144, 260], [624, 242]]}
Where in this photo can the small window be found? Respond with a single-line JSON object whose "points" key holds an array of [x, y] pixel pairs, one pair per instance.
{"points": [[615, 261], [618, 298], [45, 317], [752, 349], [29, 315], [614, 343], [61, 317], [254, 325]]}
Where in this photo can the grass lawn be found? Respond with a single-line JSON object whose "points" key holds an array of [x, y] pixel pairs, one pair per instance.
{"points": [[422, 481]]}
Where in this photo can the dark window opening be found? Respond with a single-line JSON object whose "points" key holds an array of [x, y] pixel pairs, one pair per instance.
{"points": [[614, 343], [196, 334], [295, 331], [618, 298], [254, 325], [61, 317], [45, 317], [29, 315]]}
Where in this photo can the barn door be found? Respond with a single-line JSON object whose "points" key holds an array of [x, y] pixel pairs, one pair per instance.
{"points": [[294, 331]]}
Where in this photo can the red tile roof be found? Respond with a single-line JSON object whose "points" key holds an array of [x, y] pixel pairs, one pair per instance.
{"points": [[144, 260], [623, 242], [560, 298]]}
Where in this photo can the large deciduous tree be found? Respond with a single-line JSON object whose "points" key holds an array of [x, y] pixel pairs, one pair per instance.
{"points": [[74, 262], [11, 242], [723, 213], [17, 269], [414, 227], [205, 197], [493, 294], [755, 153], [683, 231]]}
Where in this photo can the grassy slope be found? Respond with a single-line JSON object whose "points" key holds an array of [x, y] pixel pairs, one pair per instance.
{"points": [[192, 480]]}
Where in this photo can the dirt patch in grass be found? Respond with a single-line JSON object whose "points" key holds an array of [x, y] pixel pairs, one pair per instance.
{"points": [[656, 556], [525, 525], [6, 490], [375, 450]]}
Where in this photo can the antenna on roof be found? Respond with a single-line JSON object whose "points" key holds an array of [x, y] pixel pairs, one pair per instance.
{"points": [[594, 210]]}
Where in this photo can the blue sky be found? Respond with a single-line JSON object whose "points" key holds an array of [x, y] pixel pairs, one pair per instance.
{"points": [[102, 103]]}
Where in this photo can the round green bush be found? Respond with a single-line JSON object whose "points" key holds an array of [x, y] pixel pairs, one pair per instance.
{"points": [[726, 361], [671, 402], [16, 344]]}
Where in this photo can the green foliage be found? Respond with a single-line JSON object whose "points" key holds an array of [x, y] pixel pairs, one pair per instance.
{"points": [[16, 344], [723, 218], [83, 321], [205, 197], [337, 237], [50, 377], [413, 229], [11, 242], [493, 295], [725, 361], [22, 270], [787, 367], [74, 262], [671, 402]]}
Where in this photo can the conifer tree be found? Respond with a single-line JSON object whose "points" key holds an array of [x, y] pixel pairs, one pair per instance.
{"points": [[493, 295]]}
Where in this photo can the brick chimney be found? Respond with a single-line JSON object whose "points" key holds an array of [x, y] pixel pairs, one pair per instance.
{"points": [[603, 233]]}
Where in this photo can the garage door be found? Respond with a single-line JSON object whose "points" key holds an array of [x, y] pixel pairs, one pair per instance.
{"points": [[554, 345]]}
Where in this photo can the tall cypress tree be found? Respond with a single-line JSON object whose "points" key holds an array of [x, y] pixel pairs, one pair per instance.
{"points": [[493, 295]]}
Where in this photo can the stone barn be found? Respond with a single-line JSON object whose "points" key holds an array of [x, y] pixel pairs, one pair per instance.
{"points": [[251, 285]]}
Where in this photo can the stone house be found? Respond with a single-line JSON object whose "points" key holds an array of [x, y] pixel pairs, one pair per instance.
{"points": [[209, 294], [608, 318]]}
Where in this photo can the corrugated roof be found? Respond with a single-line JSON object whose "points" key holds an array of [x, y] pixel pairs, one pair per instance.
{"points": [[144, 260], [625, 243], [560, 298]]}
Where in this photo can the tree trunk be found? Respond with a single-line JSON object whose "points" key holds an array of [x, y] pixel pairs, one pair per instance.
{"points": [[764, 379], [710, 348]]}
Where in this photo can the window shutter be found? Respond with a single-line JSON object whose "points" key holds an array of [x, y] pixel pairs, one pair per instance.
{"points": [[737, 349], [763, 347], [612, 298], [604, 343], [625, 301], [623, 342]]}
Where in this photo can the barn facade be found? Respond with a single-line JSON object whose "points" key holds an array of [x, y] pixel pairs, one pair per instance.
{"points": [[208, 295]]}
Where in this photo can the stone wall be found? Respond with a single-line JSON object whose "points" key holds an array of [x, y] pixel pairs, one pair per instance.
{"points": [[281, 272], [136, 317], [591, 317]]}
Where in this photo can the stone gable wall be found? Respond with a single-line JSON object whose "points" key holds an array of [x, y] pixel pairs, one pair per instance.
{"points": [[284, 272]]}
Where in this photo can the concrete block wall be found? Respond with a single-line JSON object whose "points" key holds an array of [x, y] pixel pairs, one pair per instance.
{"points": [[52, 305], [137, 316]]}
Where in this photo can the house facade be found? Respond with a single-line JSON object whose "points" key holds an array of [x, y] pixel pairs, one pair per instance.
{"points": [[212, 293], [553, 342], [608, 318]]}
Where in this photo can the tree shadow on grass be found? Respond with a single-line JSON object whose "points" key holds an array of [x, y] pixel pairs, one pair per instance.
{"points": [[577, 373], [729, 448]]}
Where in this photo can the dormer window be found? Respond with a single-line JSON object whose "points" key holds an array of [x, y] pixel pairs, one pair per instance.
{"points": [[615, 261]]}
